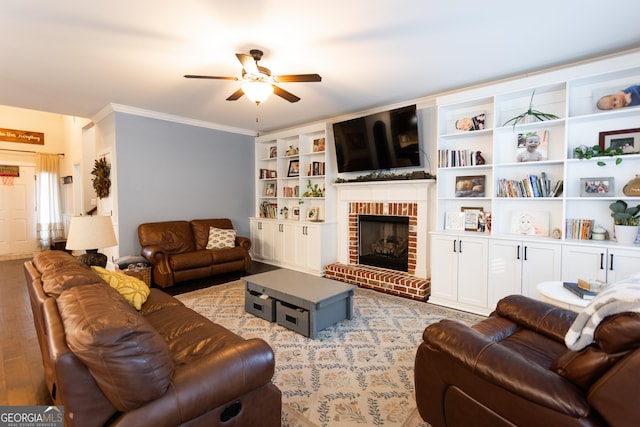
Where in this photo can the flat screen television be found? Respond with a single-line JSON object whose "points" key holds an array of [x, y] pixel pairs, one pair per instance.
{"points": [[386, 140]]}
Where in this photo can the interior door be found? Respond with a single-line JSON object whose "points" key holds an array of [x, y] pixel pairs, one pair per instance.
{"points": [[18, 214]]}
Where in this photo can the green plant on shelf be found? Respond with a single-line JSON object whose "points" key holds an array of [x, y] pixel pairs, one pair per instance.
{"points": [[313, 190], [538, 115], [584, 152], [623, 214]]}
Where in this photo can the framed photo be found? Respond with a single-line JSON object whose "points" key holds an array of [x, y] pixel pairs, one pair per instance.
{"points": [[313, 213], [318, 145], [532, 146], [530, 223], [597, 187], [475, 122], [454, 221], [613, 98], [626, 139], [472, 218], [273, 152], [270, 189], [470, 186], [294, 168], [295, 212]]}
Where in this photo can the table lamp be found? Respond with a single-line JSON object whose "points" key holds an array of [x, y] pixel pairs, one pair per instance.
{"points": [[91, 233]]}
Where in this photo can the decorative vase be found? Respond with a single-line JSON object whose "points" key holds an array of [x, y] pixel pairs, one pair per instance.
{"points": [[626, 234], [632, 189]]}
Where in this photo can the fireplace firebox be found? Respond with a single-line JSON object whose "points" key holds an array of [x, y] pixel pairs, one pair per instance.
{"points": [[383, 241]]}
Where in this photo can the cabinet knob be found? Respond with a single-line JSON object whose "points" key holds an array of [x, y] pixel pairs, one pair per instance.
{"points": [[611, 263]]}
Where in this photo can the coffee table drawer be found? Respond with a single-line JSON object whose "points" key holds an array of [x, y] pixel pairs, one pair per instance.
{"points": [[292, 317], [261, 307]]}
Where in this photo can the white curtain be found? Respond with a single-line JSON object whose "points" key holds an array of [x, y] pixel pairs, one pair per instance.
{"points": [[49, 225]]}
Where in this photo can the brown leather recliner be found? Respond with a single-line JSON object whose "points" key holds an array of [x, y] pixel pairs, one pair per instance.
{"points": [[111, 365], [177, 250], [514, 369]]}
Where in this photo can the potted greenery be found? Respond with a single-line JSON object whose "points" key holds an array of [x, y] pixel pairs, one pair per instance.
{"points": [[284, 211], [530, 115], [313, 190], [626, 221], [584, 152]]}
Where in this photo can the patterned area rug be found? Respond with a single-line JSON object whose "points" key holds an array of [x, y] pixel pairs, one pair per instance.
{"points": [[357, 372]]}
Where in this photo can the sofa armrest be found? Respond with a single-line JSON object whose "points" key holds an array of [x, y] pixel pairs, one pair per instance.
{"points": [[157, 256], [207, 383], [243, 242], [546, 319], [503, 368]]}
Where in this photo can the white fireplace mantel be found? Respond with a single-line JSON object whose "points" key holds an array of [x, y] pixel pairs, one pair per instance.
{"points": [[413, 191]]}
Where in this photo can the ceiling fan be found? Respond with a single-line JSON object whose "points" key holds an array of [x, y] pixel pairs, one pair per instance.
{"points": [[258, 83]]}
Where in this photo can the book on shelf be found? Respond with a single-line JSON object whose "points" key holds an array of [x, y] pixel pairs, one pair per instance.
{"points": [[531, 186], [268, 210], [573, 287], [578, 229], [455, 158], [268, 174]]}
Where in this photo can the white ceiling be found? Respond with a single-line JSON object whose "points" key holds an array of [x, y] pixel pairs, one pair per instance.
{"points": [[75, 57]]}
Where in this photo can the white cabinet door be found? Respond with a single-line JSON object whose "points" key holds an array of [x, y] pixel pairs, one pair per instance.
{"points": [[459, 271], [541, 262], [505, 269], [516, 267], [472, 271], [444, 267], [598, 262], [262, 239], [621, 263], [584, 262]]}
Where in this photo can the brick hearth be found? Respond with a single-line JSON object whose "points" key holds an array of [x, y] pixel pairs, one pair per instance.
{"points": [[381, 279], [394, 282]]}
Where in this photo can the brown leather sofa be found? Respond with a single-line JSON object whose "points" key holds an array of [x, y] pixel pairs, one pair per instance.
{"points": [[165, 365], [177, 250], [513, 369]]}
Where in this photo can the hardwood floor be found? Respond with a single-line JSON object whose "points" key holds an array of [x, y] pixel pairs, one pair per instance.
{"points": [[21, 369]]}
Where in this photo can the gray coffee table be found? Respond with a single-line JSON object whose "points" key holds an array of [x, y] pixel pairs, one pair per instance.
{"points": [[298, 301]]}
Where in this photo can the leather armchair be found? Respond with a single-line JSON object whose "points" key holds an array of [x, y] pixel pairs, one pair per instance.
{"points": [[514, 368]]}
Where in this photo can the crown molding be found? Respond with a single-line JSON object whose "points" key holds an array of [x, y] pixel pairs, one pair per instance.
{"points": [[119, 108]]}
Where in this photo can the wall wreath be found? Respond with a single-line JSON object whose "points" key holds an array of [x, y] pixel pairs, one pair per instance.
{"points": [[101, 182]]}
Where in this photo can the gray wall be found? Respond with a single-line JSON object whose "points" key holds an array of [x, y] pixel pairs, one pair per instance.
{"points": [[169, 171]]}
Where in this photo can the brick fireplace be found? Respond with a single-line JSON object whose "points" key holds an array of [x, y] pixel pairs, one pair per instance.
{"points": [[397, 199]]}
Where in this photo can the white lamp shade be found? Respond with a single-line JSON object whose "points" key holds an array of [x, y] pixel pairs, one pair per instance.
{"points": [[91, 232], [257, 92]]}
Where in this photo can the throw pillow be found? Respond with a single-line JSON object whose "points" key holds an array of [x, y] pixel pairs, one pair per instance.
{"points": [[134, 290], [220, 238]]}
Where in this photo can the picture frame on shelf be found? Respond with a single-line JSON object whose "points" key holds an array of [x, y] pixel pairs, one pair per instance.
{"points": [[470, 186], [597, 187], [532, 146], [295, 212], [270, 189], [530, 223], [472, 217], [613, 98], [313, 213], [273, 152], [626, 139], [467, 124], [318, 145], [454, 221], [294, 168]]}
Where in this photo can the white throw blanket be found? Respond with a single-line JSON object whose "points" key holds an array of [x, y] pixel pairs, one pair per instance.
{"points": [[618, 297]]}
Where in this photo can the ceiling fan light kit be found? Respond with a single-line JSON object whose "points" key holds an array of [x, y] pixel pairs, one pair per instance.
{"points": [[258, 83]]}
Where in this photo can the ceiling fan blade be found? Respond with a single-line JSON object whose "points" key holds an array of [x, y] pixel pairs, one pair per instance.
{"points": [[191, 76], [287, 78], [248, 63], [235, 95], [284, 94]]}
